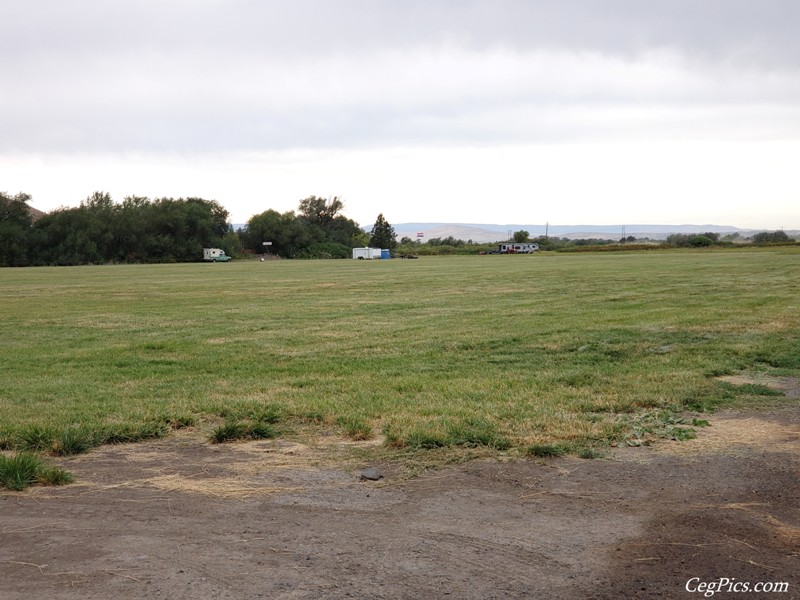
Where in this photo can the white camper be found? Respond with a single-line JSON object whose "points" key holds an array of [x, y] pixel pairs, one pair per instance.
{"points": [[518, 248], [215, 255]]}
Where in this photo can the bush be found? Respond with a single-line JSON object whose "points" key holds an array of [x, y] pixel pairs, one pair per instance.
{"points": [[326, 250]]}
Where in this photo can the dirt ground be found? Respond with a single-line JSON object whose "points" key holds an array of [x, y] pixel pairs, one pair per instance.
{"points": [[180, 518]]}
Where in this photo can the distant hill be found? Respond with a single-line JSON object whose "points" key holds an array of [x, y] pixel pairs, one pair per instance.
{"points": [[483, 233], [35, 213]]}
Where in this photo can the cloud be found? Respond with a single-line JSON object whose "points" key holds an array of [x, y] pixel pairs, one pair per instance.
{"points": [[210, 76], [427, 107]]}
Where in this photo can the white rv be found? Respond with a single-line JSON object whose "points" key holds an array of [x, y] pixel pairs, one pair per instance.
{"points": [[518, 248], [215, 255]]}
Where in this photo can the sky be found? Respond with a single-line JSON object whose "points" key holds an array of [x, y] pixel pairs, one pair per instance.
{"points": [[464, 111]]}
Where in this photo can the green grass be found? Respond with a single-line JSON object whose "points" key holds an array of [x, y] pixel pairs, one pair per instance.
{"points": [[24, 469], [464, 352]]}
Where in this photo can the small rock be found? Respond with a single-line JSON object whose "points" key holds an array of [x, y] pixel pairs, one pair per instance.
{"points": [[371, 474]]}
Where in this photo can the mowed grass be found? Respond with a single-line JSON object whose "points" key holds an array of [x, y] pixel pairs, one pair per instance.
{"points": [[507, 352]]}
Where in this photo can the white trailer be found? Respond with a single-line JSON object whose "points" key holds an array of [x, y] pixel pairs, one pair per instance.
{"points": [[518, 248], [366, 253]]}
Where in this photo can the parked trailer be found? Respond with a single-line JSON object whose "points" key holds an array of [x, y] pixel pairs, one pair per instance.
{"points": [[516, 248], [215, 255], [366, 253]]}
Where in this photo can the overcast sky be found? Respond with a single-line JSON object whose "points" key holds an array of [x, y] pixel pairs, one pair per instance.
{"points": [[472, 111]]}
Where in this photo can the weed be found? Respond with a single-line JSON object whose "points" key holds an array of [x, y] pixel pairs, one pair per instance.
{"points": [[682, 434], [23, 469]]}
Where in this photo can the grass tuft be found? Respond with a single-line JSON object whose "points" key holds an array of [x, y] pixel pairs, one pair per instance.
{"points": [[355, 428], [547, 450], [469, 432], [233, 430], [74, 440], [590, 453], [36, 438], [24, 469]]}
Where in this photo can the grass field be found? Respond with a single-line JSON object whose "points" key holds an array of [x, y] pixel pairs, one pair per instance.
{"points": [[541, 353]]}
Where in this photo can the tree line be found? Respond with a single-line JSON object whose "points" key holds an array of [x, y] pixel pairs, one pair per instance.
{"points": [[140, 230], [452, 245]]}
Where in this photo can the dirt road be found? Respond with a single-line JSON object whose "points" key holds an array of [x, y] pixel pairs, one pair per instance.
{"points": [[180, 518]]}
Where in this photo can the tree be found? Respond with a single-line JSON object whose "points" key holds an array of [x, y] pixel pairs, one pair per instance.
{"points": [[771, 237], [320, 212], [382, 235], [521, 236], [700, 241], [346, 232], [15, 229], [289, 234]]}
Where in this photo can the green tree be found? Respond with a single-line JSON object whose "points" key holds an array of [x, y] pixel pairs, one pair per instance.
{"points": [[15, 229], [290, 235], [319, 211], [346, 232], [521, 236], [138, 230], [771, 237], [382, 234], [700, 241]]}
